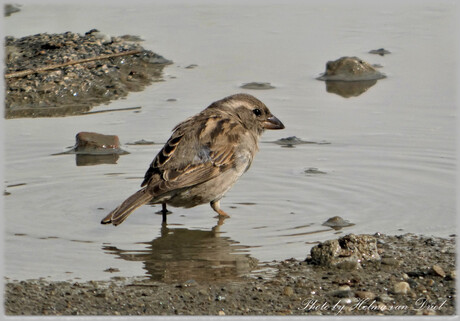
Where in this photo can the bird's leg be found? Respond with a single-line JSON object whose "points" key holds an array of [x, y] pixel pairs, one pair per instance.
{"points": [[164, 212], [216, 207]]}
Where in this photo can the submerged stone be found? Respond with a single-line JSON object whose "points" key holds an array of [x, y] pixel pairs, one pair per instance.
{"points": [[336, 222], [257, 85], [380, 52]]}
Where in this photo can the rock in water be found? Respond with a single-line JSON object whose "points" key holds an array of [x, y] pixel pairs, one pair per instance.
{"points": [[95, 143], [350, 69]]}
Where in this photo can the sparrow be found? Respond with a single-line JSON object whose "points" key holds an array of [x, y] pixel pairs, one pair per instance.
{"points": [[203, 158]]}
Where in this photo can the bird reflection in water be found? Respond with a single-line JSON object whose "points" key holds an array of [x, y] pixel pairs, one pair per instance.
{"points": [[181, 254]]}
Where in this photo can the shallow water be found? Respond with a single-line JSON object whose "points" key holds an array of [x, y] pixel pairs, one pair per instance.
{"points": [[389, 167]]}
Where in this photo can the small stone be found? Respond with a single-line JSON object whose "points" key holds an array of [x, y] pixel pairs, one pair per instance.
{"points": [[390, 261], [142, 142], [190, 283], [257, 85], [314, 170], [438, 271], [365, 295], [221, 312], [385, 298], [343, 291], [288, 291], [344, 288], [348, 265], [336, 222], [401, 288], [112, 270], [381, 52]]}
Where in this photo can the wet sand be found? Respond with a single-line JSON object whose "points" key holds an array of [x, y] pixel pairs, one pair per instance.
{"points": [[415, 275]]}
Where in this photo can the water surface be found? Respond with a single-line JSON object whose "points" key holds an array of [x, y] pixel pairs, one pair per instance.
{"points": [[389, 166]]}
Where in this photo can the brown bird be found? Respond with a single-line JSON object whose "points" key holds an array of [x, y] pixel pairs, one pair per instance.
{"points": [[203, 158]]}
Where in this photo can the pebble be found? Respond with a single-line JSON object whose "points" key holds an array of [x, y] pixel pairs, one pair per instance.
{"points": [[142, 142], [336, 222], [390, 261], [438, 271], [401, 288], [288, 291], [314, 170], [344, 291], [380, 52], [257, 85], [190, 283], [365, 295], [385, 298]]}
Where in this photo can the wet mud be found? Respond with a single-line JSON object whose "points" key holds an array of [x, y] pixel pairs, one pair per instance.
{"points": [[64, 74]]}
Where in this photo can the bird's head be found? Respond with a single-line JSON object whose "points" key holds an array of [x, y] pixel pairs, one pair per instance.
{"points": [[251, 111]]}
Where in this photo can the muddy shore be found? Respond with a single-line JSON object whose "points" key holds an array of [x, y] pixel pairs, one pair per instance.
{"points": [[413, 275], [49, 75]]}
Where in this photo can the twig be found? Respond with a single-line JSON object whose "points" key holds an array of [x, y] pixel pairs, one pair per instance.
{"points": [[110, 110], [23, 73]]}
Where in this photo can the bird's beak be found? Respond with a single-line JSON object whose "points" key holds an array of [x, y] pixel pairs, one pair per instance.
{"points": [[273, 123]]}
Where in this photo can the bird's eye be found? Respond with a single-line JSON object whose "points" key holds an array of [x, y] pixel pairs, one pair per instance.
{"points": [[257, 112]]}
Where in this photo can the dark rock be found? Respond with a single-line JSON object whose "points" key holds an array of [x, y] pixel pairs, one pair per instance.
{"points": [[381, 52], [257, 85], [314, 171], [93, 149], [142, 142], [95, 143], [336, 222]]}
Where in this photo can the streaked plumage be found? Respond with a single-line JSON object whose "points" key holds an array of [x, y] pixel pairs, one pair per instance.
{"points": [[204, 157]]}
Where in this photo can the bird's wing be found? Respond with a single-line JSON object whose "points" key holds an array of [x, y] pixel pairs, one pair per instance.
{"points": [[199, 149]]}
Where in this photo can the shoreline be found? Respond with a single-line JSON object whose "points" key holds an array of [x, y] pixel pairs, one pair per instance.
{"points": [[414, 275]]}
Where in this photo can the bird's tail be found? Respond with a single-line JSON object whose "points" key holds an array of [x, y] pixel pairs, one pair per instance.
{"points": [[118, 215]]}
